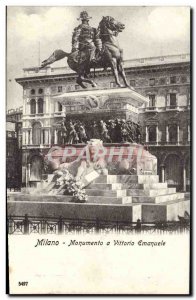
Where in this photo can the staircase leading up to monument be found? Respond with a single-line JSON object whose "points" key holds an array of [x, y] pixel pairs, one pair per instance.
{"points": [[148, 197], [119, 197], [131, 189], [123, 189]]}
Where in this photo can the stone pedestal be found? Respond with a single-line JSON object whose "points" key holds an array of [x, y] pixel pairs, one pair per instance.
{"points": [[102, 104]]}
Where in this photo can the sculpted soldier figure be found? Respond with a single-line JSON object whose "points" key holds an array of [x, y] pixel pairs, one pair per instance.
{"points": [[124, 131], [82, 133], [63, 132], [95, 130], [72, 136], [86, 38], [104, 132], [112, 130]]}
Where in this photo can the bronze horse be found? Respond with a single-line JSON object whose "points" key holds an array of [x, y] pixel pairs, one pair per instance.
{"points": [[111, 55]]}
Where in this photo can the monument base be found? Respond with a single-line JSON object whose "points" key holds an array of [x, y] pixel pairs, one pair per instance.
{"points": [[119, 198], [146, 213], [125, 187]]}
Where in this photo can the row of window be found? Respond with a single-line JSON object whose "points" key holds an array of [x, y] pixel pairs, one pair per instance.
{"points": [[171, 136], [36, 91], [162, 81], [58, 89], [172, 100], [39, 108], [151, 82], [39, 135]]}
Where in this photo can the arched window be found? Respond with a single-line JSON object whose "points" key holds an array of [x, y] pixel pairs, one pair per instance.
{"points": [[40, 91], [40, 106], [33, 106], [32, 92], [173, 134], [152, 133], [36, 132]]}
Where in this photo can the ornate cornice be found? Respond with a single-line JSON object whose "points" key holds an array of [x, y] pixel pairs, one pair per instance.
{"points": [[51, 78]]}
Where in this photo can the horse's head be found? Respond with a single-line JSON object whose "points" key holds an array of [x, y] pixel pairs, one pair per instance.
{"points": [[112, 24]]}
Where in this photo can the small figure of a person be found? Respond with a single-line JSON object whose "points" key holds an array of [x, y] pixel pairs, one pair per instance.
{"points": [[132, 131], [124, 131], [73, 136], [111, 130], [138, 133], [118, 137], [82, 133], [95, 129], [104, 132], [63, 130]]}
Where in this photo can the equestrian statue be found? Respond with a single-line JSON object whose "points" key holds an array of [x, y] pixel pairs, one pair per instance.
{"points": [[93, 48]]}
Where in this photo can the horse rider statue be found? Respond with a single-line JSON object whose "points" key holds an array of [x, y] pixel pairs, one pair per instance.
{"points": [[86, 39], [92, 48]]}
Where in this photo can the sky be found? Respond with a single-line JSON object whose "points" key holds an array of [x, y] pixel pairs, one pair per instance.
{"points": [[149, 31]]}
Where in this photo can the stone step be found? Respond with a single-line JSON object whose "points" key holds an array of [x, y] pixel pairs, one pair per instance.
{"points": [[105, 186], [141, 179], [109, 200], [157, 199], [118, 186], [132, 185], [107, 193], [158, 185], [145, 186], [67, 198], [127, 179], [150, 192], [106, 179]]}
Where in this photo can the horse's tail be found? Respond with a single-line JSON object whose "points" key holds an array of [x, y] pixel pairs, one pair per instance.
{"points": [[56, 55]]}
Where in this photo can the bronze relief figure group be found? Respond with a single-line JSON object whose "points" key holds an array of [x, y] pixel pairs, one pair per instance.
{"points": [[109, 131]]}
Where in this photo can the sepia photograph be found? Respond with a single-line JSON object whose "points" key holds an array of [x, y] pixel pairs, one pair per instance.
{"points": [[98, 148]]}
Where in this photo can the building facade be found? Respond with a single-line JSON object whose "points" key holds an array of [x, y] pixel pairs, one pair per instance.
{"points": [[165, 121], [14, 148]]}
